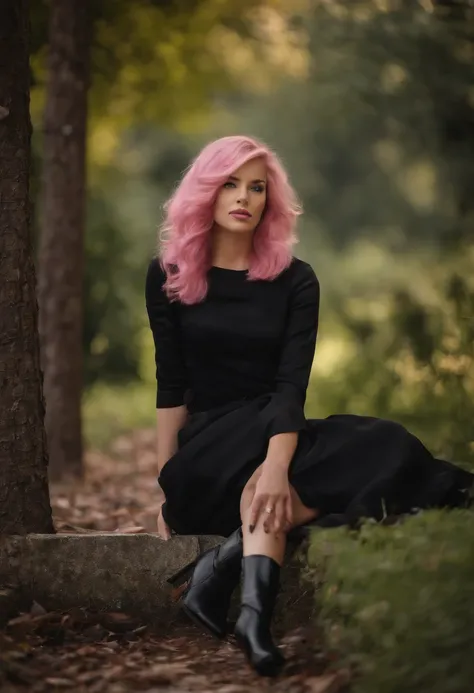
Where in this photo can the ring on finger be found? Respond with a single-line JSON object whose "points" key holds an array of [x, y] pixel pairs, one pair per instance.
{"points": [[269, 510]]}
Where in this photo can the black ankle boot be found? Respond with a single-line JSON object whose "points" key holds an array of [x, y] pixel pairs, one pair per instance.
{"points": [[252, 630], [216, 575]]}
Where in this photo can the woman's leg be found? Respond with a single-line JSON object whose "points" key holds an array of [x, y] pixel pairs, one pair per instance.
{"points": [[263, 556], [261, 542]]}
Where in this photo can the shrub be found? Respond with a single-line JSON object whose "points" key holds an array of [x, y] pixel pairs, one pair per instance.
{"points": [[397, 603]]}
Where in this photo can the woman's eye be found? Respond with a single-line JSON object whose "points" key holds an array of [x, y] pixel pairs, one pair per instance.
{"points": [[254, 188]]}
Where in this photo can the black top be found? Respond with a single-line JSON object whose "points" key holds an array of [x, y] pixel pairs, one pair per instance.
{"points": [[246, 339]]}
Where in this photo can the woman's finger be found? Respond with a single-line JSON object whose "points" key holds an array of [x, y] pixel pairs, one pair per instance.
{"points": [[279, 515], [269, 513], [268, 516], [289, 511], [255, 510], [272, 504]]}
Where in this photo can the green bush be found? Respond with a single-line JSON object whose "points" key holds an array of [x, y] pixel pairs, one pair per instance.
{"points": [[397, 603]]}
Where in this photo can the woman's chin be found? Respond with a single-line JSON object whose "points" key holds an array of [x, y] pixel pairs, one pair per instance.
{"points": [[239, 227]]}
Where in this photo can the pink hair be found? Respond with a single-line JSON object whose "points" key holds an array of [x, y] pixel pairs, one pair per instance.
{"points": [[189, 215]]}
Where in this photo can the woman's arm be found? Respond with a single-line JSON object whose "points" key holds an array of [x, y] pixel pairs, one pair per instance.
{"points": [[169, 420], [171, 372], [296, 358]]}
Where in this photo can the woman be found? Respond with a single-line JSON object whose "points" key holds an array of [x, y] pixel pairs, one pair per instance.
{"points": [[234, 318]]}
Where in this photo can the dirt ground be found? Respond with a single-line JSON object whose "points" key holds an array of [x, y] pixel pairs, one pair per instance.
{"points": [[113, 653]]}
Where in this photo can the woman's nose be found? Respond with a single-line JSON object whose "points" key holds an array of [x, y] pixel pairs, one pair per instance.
{"points": [[242, 198]]}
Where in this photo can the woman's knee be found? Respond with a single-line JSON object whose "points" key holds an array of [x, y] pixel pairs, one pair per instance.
{"points": [[246, 498], [248, 493], [250, 486]]}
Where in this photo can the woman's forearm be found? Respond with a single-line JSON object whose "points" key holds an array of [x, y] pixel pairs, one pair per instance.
{"points": [[281, 448], [169, 421]]}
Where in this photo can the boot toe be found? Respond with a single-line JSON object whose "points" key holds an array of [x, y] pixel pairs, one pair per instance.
{"points": [[271, 665]]}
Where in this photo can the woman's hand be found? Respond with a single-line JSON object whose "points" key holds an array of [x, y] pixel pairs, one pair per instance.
{"points": [[163, 529], [272, 500]]}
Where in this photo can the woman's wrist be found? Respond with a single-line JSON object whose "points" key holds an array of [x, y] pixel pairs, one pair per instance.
{"points": [[276, 465], [281, 449]]}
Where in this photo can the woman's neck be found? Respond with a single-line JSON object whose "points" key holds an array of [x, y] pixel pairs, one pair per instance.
{"points": [[230, 250]]}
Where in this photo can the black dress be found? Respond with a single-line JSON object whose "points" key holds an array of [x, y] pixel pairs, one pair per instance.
{"points": [[241, 361]]}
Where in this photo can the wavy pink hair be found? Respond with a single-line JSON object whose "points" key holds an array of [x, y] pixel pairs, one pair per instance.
{"points": [[189, 217]]}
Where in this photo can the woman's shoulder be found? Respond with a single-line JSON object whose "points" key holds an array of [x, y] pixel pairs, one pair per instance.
{"points": [[155, 278], [302, 272], [156, 271]]}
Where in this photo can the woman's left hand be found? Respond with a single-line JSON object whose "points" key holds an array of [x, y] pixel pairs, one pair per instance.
{"points": [[272, 499]]}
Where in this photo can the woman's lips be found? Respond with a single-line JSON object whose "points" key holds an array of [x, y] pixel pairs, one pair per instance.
{"points": [[242, 216]]}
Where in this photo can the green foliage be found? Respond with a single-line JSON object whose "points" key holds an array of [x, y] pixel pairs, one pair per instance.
{"points": [[111, 319], [121, 238], [110, 410], [398, 602], [415, 364], [154, 61], [379, 140]]}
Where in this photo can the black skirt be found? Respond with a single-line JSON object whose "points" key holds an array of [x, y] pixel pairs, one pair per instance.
{"points": [[346, 465]]}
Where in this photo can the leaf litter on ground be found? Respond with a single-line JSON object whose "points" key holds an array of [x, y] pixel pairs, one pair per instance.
{"points": [[43, 652]]}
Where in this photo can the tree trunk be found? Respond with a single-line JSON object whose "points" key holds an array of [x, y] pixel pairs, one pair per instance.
{"points": [[24, 494], [61, 246]]}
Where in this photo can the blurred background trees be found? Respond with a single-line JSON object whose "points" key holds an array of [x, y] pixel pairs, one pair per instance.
{"points": [[61, 239], [371, 106]]}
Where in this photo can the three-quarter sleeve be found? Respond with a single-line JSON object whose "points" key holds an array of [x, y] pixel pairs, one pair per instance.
{"points": [[297, 352], [170, 367]]}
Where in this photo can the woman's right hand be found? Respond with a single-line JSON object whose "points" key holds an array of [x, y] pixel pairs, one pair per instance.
{"points": [[163, 529]]}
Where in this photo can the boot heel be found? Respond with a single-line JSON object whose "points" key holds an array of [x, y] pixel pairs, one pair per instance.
{"points": [[206, 598]]}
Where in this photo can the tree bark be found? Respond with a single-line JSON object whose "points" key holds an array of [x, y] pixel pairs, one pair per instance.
{"points": [[24, 494], [61, 246]]}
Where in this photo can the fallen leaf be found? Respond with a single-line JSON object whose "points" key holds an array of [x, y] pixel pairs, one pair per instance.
{"points": [[177, 592], [59, 682], [88, 676], [131, 530], [327, 683], [164, 673], [114, 673]]}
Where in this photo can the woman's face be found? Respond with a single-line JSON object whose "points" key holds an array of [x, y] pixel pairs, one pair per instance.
{"points": [[241, 200]]}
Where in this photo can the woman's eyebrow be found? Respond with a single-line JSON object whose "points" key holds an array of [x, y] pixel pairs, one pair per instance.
{"points": [[257, 180]]}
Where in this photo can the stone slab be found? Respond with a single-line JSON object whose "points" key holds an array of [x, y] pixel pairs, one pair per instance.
{"points": [[109, 571], [106, 571]]}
